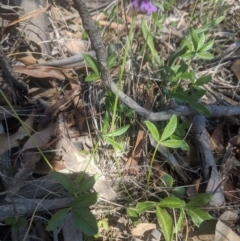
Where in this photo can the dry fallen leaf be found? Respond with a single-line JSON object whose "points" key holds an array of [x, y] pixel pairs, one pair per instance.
{"points": [[141, 228], [41, 138], [40, 72], [8, 142], [224, 233]]}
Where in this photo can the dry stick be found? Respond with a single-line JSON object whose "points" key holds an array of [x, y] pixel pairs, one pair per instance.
{"points": [[208, 163], [11, 76], [101, 53]]}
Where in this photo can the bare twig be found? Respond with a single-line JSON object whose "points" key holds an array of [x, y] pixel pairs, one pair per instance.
{"points": [[208, 163]]}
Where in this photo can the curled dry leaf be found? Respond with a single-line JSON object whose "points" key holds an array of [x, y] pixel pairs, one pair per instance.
{"points": [[40, 72], [41, 138], [141, 228], [8, 142]]}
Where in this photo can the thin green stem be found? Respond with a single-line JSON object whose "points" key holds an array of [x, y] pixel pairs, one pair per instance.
{"points": [[25, 129]]}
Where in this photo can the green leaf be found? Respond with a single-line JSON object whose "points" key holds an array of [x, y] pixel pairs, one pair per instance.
{"points": [[179, 97], [197, 215], [200, 108], [210, 25], [16, 223], [57, 219], [180, 221], [85, 200], [105, 123], [118, 132], [205, 55], [197, 95], [179, 192], [201, 41], [176, 144], [168, 180], [153, 130], [189, 55], [165, 222], [92, 77], [203, 80], [132, 214], [170, 128], [141, 207], [87, 184], [112, 60], [194, 38], [65, 181], [206, 46], [171, 202], [92, 63], [85, 221], [150, 42], [200, 200], [172, 59], [115, 144]]}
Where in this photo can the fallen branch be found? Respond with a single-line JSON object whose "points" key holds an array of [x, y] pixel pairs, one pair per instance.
{"points": [[208, 163]]}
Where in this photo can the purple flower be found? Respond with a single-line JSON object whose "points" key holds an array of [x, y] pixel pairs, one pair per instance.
{"points": [[144, 6]]}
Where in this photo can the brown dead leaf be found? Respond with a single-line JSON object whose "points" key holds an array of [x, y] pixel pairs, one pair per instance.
{"points": [[29, 15], [192, 191], [141, 228], [51, 112], [39, 93], [217, 138], [26, 59], [236, 68], [8, 142], [40, 72], [81, 116], [41, 138], [29, 161], [224, 233], [229, 216], [137, 151], [76, 46], [235, 141]]}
